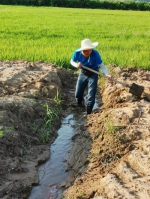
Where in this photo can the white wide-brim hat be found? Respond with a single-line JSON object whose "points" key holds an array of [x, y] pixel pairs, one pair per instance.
{"points": [[87, 44]]}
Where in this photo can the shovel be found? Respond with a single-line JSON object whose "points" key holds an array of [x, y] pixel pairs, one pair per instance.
{"points": [[135, 89]]}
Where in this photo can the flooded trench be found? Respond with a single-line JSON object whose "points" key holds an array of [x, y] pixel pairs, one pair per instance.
{"points": [[54, 173]]}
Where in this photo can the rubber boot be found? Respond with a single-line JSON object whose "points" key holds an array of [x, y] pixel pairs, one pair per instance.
{"points": [[81, 103], [89, 110]]}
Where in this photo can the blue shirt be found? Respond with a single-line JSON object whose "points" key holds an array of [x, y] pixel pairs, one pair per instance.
{"points": [[92, 62]]}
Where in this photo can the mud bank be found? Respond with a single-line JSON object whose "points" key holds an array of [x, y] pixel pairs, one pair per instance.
{"points": [[117, 165], [30, 93]]}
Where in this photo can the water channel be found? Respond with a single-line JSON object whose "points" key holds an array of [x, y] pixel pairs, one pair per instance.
{"points": [[53, 173]]}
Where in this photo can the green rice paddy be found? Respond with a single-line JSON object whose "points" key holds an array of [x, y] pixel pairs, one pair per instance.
{"points": [[52, 34]]}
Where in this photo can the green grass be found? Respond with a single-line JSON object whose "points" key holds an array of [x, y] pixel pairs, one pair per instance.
{"points": [[1, 134], [52, 34]]}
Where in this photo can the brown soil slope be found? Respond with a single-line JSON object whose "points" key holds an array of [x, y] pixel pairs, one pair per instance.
{"points": [[29, 98], [118, 164]]}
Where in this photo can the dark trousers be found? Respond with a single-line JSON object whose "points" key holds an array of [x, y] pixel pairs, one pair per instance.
{"points": [[91, 83]]}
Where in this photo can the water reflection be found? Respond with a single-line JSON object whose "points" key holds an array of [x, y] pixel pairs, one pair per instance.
{"points": [[52, 173]]}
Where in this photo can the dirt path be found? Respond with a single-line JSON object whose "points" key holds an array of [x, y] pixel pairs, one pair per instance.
{"points": [[111, 149]]}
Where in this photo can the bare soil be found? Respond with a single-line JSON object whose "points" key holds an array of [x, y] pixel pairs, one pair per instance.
{"points": [[113, 144], [29, 99], [111, 151]]}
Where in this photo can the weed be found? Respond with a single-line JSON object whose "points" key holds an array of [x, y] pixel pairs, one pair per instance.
{"points": [[9, 129], [51, 114], [110, 128], [35, 127], [57, 98], [2, 182], [1, 133], [31, 152], [46, 136], [28, 142], [9, 170], [24, 186], [82, 193]]}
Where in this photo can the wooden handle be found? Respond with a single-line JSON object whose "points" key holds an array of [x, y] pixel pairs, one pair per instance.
{"points": [[94, 71]]}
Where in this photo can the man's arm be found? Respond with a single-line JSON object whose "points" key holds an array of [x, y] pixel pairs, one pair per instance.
{"points": [[104, 69], [76, 65], [73, 63]]}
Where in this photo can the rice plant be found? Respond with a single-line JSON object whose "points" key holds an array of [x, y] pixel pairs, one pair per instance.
{"points": [[52, 34]]}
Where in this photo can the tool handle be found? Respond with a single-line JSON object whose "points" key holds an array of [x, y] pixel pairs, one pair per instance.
{"points": [[94, 71]]}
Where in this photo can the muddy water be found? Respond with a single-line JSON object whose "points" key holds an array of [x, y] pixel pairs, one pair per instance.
{"points": [[53, 174]]}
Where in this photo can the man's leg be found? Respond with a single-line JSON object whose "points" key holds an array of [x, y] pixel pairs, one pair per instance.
{"points": [[92, 88], [80, 87]]}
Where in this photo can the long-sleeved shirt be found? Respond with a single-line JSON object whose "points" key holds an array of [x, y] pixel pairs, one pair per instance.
{"points": [[94, 61]]}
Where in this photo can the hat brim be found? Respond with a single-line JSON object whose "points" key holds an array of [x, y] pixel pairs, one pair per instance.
{"points": [[89, 47]]}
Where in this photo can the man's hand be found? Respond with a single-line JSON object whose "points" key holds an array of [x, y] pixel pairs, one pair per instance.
{"points": [[109, 78], [79, 65]]}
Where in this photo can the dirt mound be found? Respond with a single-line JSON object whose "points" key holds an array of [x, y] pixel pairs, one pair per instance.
{"points": [[31, 96]]}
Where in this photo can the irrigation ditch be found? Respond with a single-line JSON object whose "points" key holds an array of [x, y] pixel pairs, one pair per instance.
{"points": [[102, 155]]}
